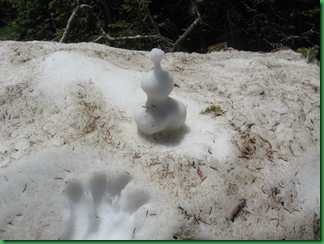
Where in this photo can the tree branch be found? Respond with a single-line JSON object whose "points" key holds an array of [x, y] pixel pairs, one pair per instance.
{"points": [[138, 37], [158, 35], [71, 20], [188, 31]]}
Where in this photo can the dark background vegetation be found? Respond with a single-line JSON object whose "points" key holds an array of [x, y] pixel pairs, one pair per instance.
{"points": [[254, 25]]}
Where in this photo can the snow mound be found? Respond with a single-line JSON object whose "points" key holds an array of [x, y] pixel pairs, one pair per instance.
{"points": [[74, 165]]}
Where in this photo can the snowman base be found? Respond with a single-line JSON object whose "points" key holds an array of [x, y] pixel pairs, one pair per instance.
{"points": [[153, 118]]}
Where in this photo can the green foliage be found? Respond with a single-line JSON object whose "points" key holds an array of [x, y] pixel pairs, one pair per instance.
{"points": [[252, 25], [217, 47], [8, 32], [130, 20], [60, 11], [213, 108], [33, 21], [309, 53]]}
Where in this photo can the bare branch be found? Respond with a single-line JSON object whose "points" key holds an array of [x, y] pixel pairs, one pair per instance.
{"points": [[156, 36], [71, 19], [137, 37], [189, 30]]}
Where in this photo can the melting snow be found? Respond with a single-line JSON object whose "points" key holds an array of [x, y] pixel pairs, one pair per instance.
{"points": [[74, 165]]}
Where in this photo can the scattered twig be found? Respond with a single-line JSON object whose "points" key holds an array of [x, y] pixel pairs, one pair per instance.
{"points": [[137, 156], [266, 141], [277, 221], [202, 177], [237, 209], [185, 212], [282, 158], [202, 220], [213, 168], [25, 187], [153, 164], [134, 233], [287, 210]]}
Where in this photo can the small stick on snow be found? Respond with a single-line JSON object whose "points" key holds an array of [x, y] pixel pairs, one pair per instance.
{"points": [[137, 156], [277, 221], [25, 188], [134, 233], [213, 168], [266, 141], [282, 158], [202, 177], [287, 210], [202, 220], [264, 191], [237, 210]]}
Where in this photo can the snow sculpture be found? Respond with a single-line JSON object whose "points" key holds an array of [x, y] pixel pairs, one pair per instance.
{"points": [[160, 112]]}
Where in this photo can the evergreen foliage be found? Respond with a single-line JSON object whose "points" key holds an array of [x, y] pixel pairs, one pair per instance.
{"points": [[255, 25]]}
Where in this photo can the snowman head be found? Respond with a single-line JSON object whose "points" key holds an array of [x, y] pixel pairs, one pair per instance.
{"points": [[156, 57]]}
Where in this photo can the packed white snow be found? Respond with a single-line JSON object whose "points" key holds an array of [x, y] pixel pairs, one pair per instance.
{"points": [[74, 165], [160, 112]]}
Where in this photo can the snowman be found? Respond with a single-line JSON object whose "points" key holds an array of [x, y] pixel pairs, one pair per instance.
{"points": [[160, 112]]}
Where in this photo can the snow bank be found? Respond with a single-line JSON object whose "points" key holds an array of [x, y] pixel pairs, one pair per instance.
{"points": [[74, 165]]}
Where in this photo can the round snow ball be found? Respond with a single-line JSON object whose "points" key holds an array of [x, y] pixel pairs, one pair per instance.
{"points": [[156, 55]]}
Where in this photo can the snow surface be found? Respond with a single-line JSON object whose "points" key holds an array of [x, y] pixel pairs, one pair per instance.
{"points": [[74, 165]]}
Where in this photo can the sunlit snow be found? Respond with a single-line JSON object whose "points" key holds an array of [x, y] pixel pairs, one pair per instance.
{"points": [[74, 165]]}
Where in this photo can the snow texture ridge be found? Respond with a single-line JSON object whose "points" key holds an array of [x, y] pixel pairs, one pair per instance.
{"points": [[74, 166]]}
